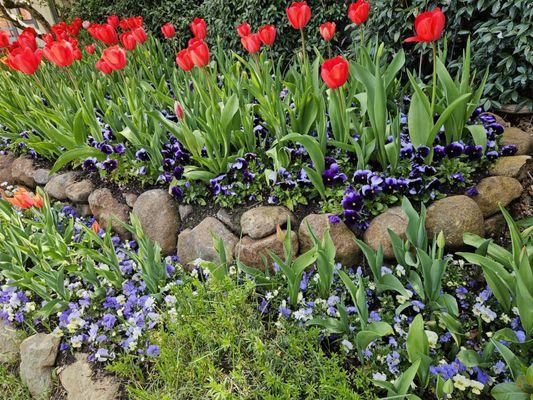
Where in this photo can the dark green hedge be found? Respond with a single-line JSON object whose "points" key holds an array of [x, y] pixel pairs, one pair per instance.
{"points": [[501, 30]]}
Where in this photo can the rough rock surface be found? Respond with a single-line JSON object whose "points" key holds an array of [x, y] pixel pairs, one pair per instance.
{"points": [[9, 343], [496, 190], [159, 218], [130, 199], [42, 176], [22, 171], [37, 357], [185, 210], [262, 221], [6, 162], [454, 216], [58, 184], [106, 208], [77, 380], [229, 220], [499, 120], [252, 251], [495, 225], [343, 238], [377, 233], [522, 140], [79, 192], [513, 167], [198, 242]]}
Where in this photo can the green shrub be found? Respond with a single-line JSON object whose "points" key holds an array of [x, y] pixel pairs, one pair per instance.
{"points": [[217, 347], [501, 30], [11, 388]]}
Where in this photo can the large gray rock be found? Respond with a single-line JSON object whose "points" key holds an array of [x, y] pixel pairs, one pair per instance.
{"points": [[37, 357], [106, 208], [262, 221], [513, 167], [454, 216], [185, 210], [9, 342], [58, 184], [159, 218], [229, 220], [22, 171], [130, 199], [522, 140], [6, 162], [347, 251], [198, 242], [77, 379], [79, 192], [496, 190], [42, 176], [254, 252], [377, 232]]}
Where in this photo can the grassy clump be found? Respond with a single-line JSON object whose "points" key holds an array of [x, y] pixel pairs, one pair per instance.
{"points": [[11, 388], [217, 347]]}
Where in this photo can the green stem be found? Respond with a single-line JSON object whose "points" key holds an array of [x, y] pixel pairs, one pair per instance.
{"points": [[434, 89], [361, 35], [303, 46]]}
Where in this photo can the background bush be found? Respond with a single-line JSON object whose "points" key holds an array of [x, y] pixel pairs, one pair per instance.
{"points": [[501, 30]]}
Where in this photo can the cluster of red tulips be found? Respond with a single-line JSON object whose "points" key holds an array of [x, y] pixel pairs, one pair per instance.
{"points": [[197, 52], [22, 198]]}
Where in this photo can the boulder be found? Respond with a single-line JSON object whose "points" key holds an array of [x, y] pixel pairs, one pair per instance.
{"points": [[6, 162], [454, 216], [58, 184], [106, 209], [37, 357], [229, 220], [159, 218], [77, 379], [79, 192], [22, 171], [377, 232], [252, 252], [343, 238], [41, 176], [495, 225], [496, 190], [198, 242], [522, 140], [130, 199], [261, 221], [513, 167], [9, 343], [185, 210]]}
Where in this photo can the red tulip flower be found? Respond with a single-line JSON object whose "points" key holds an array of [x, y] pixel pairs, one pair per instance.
{"points": [[22, 198], [299, 14], [103, 67], [178, 110], [89, 49], [78, 55], [105, 33], [199, 28], [113, 20], [47, 38], [27, 39], [4, 39], [115, 57], [24, 59], [358, 12], [128, 41], [327, 30], [428, 26], [199, 52], [140, 35], [252, 43], [335, 72], [267, 34], [168, 30], [183, 59], [61, 53], [244, 29]]}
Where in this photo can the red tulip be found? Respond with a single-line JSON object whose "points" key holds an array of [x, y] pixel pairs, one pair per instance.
{"points": [[428, 26], [358, 12], [75, 26], [61, 53], [299, 14], [47, 37], [4, 39], [131, 23], [178, 110], [335, 72], [267, 34], [244, 29], [105, 33], [199, 28], [104, 67], [27, 39], [22, 198], [115, 57], [251, 43], [113, 20], [140, 35], [128, 41], [183, 59], [24, 59], [89, 49], [168, 30], [77, 54], [327, 30], [199, 52]]}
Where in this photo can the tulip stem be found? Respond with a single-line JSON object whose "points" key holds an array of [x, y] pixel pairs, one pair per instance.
{"points": [[303, 46], [434, 88], [361, 35]]}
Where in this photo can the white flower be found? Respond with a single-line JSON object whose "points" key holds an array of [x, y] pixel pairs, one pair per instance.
{"points": [[378, 376], [460, 382], [348, 346], [477, 387], [170, 300], [400, 270], [433, 339]]}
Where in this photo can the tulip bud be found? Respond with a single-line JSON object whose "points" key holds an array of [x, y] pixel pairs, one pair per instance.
{"points": [[178, 110]]}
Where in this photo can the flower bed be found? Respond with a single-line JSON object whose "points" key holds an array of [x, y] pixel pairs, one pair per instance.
{"points": [[336, 149]]}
